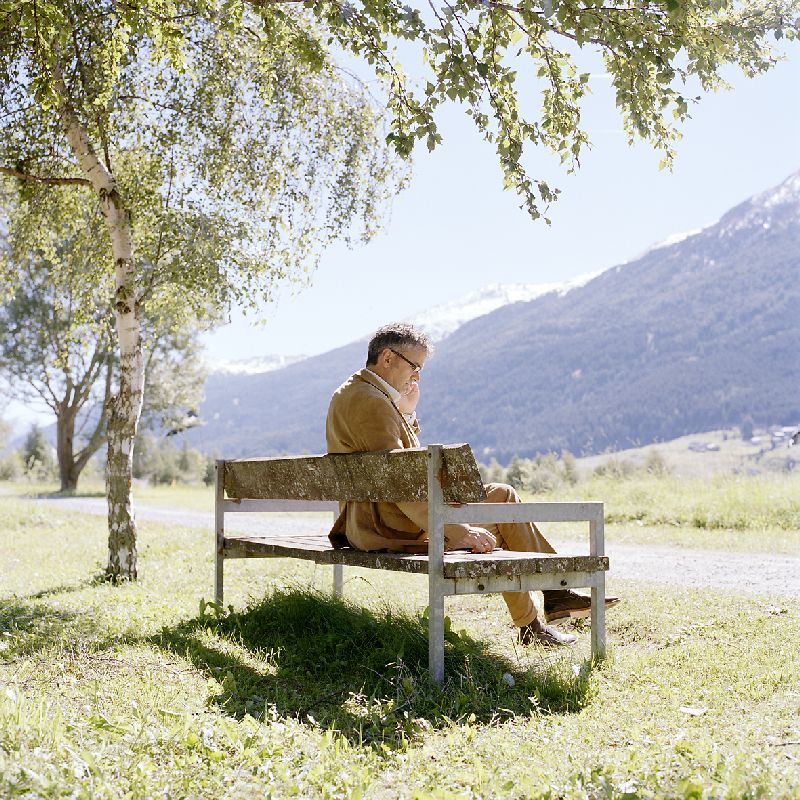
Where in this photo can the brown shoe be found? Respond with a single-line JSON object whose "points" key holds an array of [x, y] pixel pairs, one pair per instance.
{"points": [[545, 635], [561, 604]]}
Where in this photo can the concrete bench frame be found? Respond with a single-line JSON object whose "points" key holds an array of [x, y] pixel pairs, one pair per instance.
{"points": [[448, 478]]}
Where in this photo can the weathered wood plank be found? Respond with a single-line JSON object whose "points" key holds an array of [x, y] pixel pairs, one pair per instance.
{"points": [[389, 475], [316, 547]]}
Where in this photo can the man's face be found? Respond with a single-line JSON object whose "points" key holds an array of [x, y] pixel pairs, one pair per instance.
{"points": [[403, 365]]}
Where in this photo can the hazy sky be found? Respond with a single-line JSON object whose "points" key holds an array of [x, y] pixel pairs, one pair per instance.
{"points": [[454, 230]]}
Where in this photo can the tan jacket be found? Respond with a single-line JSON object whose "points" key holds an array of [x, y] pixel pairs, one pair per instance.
{"points": [[362, 417]]}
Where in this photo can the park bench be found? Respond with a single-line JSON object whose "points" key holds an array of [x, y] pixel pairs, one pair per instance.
{"points": [[444, 475]]}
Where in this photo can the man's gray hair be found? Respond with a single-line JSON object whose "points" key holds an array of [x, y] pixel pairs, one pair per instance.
{"points": [[396, 334]]}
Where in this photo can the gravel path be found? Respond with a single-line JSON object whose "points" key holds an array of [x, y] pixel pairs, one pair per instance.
{"points": [[751, 573]]}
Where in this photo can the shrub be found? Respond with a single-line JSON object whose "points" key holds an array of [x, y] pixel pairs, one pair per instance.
{"points": [[656, 465], [12, 466], [617, 468]]}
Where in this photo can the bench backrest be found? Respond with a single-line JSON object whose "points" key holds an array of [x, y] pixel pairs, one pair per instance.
{"points": [[383, 476]]}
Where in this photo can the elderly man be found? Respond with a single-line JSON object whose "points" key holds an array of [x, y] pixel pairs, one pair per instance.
{"points": [[375, 409]]}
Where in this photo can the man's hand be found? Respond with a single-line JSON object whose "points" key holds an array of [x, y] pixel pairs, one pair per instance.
{"points": [[409, 398], [480, 540]]}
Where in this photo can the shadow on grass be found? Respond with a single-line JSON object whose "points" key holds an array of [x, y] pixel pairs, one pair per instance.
{"points": [[27, 628], [67, 493], [303, 654]]}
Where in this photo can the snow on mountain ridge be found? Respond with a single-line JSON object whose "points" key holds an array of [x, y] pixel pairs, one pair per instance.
{"points": [[440, 321], [252, 366], [753, 212], [783, 194]]}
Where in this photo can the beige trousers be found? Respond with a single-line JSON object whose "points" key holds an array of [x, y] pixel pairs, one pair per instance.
{"points": [[519, 536]]}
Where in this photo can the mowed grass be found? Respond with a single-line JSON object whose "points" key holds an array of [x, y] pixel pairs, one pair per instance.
{"points": [[137, 691], [724, 512]]}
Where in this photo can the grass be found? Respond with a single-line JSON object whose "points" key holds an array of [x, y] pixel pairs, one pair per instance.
{"points": [[135, 691], [723, 512]]}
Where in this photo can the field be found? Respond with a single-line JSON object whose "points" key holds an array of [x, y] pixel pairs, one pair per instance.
{"points": [[142, 690]]}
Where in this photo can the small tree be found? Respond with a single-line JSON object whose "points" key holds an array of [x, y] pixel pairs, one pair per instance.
{"points": [[570, 468], [655, 464], [37, 454], [496, 472], [518, 473]]}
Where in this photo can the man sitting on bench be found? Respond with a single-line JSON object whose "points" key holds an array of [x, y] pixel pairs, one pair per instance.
{"points": [[375, 409]]}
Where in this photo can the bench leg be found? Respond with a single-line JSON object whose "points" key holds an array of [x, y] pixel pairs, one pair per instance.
{"points": [[599, 616], [436, 583], [218, 579], [338, 580], [219, 534], [435, 632]]}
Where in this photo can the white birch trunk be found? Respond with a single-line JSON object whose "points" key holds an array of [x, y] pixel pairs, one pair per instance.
{"points": [[126, 406]]}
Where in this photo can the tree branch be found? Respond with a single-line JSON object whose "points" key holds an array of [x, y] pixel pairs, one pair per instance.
{"points": [[96, 439], [24, 176]]}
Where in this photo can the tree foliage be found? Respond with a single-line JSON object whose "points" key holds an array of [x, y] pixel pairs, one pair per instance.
{"points": [[657, 52], [239, 145], [56, 327]]}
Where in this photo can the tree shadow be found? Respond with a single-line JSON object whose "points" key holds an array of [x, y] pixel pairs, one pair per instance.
{"points": [[67, 493], [315, 657], [27, 627]]}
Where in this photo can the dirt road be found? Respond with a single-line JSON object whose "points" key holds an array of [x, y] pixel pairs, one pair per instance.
{"points": [[751, 573]]}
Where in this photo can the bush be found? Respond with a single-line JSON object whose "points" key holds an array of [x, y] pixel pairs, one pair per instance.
{"points": [[160, 461], [656, 465], [37, 455], [210, 471], [518, 473], [12, 466], [569, 468], [617, 468]]}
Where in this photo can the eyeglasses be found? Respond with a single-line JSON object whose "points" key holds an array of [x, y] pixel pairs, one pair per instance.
{"points": [[415, 367]]}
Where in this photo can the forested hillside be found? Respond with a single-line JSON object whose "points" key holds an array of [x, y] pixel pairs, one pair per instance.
{"points": [[691, 336]]}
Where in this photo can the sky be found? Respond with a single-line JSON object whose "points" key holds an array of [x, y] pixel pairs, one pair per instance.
{"points": [[454, 230]]}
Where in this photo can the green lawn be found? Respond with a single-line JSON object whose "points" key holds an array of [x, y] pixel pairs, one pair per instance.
{"points": [[131, 691], [722, 512]]}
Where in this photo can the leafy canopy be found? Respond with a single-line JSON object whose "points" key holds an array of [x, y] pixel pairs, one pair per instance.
{"points": [[56, 322], [239, 146], [241, 108]]}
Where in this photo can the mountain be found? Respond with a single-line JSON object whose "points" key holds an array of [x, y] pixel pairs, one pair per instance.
{"points": [[438, 322], [252, 366], [698, 333], [442, 320]]}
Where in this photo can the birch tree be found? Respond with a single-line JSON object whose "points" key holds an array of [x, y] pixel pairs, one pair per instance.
{"points": [[233, 113], [200, 123]]}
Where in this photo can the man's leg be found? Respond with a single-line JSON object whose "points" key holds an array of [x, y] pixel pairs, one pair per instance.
{"points": [[519, 536], [559, 604]]}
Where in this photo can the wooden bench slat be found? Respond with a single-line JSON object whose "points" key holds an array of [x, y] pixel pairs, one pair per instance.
{"points": [[387, 476], [316, 547]]}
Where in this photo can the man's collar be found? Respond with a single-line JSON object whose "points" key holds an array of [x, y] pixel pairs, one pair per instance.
{"points": [[382, 384]]}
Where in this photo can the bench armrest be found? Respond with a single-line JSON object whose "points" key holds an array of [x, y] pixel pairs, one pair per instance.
{"points": [[477, 513]]}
